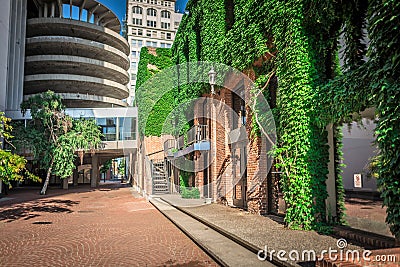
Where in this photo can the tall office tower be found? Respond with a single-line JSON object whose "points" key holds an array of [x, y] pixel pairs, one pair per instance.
{"points": [[151, 23]]}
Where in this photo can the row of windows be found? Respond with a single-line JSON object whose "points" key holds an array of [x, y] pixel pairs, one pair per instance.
{"points": [[151, 23], [139, 44], [150, 33], [151, 12], [154, 2]]}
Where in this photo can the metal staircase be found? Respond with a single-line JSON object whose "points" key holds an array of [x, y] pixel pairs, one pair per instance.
{"points": [[159, 177]]}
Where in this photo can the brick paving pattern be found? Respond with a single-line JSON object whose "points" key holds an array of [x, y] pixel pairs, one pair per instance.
{"points": [[83, 227]]}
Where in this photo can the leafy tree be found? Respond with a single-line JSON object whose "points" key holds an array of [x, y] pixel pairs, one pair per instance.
{"points": [[58, 136], [12, 166], [106, 166]]}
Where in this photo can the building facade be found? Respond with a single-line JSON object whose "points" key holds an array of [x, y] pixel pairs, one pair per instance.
{"points": [[75, 49], [150, 23]]}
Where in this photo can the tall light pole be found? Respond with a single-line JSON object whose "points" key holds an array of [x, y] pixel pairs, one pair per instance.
{"points": [[212, 74]]}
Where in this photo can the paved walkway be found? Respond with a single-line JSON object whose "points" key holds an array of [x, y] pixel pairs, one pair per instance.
{"points": [[262, 232], [367, 215], [85, 227]]}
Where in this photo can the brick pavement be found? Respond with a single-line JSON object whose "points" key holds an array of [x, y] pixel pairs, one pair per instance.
{"points": [[83, 227]]}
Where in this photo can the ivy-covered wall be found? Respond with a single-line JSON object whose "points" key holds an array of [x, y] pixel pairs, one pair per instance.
{"points": [[152, 61], [297, 42]]}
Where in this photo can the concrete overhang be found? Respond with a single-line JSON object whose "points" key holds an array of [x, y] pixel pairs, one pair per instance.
{"points": [[68, 83], [55, 64], [86, 101], [72, 46], [76, 28]]}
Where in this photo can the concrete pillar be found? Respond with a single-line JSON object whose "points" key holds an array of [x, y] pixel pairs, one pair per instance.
{"points": [[65, 183], [95, 171], [1, 188], [53, 9], [4, 54], [75, 177], [16, 55], [45, 10], [331, 181]]}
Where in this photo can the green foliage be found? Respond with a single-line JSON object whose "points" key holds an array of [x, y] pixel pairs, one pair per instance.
{"points": [[149, 65], [12, 166], [53, 137], [186, 191], [299, 41], [106, 166]]}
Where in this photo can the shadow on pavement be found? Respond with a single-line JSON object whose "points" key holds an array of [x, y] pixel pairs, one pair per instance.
{"points": [[34, 209]]}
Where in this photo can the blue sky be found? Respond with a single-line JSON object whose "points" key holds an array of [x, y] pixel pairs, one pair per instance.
{"points": [[119, 6]]}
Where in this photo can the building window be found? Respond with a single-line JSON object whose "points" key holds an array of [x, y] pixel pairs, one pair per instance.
{"points": [[108, 128], [153, 2], [137, 10], [165, 25], [134, 42], [140, 43], [148, 33], [133, 77], [168, 45], [136, 21], [140, 32], [127, 128], [165, 14], [169, 36], [133, 65], [134, 54], [151, 12], [151, 23], [151, 44]]}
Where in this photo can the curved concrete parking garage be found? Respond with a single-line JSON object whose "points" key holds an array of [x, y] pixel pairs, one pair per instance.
{"points": [[82, 58], [74, 100], [72, 46], [52, 64], [69, 83], [75, 28]]}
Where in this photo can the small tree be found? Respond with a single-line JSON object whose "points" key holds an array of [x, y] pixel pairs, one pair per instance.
{"points": [[58, 135], [12, 166]]}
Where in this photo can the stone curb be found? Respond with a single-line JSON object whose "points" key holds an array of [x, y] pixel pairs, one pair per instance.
{"points": [[233, 237], [187, 233]]}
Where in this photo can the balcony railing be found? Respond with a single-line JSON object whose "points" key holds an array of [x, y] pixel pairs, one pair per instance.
{"points": [[196, 134]]}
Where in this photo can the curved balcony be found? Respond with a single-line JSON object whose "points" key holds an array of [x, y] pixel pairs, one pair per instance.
{"points": [[73, 100], [53, 64], [75, 28], [69, 83], [72, 46]]}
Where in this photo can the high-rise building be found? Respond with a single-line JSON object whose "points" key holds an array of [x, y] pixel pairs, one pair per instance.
{"points": [[150, 23]]}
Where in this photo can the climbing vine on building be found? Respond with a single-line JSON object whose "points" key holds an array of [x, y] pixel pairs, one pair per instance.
{"points": [[297, 41]]}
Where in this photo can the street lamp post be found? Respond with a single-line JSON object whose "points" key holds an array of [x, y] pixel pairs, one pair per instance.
{"points": [[212, 74], [211, 78]]}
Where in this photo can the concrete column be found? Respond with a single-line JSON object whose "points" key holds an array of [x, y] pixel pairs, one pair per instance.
{"points": [[45, 10], [16, 55], [75, 177], [331, 181], [1, 188], [65, 183], [53, 9], [4, 53], [95, 171]]}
